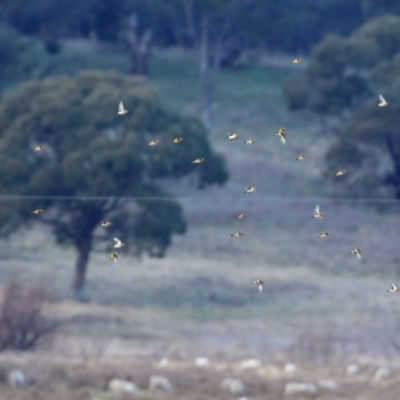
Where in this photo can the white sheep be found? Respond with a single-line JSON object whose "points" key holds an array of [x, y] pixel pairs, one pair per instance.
{"points": [[328, 384], [119, 386], [352, 369], [234, 386], [250, 363], [382, 373], [160, 382], [202, 362], [300, 388], [16, 379]]}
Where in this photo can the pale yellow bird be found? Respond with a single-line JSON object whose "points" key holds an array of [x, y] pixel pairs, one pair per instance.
{"points": [[241, 216], [325, 234], [393, 288], [318, 213], [281, 133], [259, 283], [251, 189], [382, 101], [105, 223], [302, 157], [118, 243], [177, 140], [250, 141], [341, 172], [38, 212], [113, 256], [154, 142], [40, 147], [121, 109], [233, 136], [296, 61], [237, 234], [198, 160], [357, 252]]}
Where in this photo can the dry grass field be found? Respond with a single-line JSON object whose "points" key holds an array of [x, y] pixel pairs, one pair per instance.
{"points": [[321, 307]]}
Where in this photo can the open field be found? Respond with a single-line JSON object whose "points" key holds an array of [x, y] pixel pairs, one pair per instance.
{"points": [[199, 300]]}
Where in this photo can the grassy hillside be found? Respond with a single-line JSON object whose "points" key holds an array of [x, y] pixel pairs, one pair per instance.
{"points": [[207, 274]]}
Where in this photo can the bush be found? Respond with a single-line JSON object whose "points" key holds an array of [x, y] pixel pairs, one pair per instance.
{"points": [[22, 323]]}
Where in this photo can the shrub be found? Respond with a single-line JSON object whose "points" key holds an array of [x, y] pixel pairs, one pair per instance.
{"points": [[22, 323]]}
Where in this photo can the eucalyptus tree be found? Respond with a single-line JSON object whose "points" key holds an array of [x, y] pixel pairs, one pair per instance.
{"points": [[97, 165]]}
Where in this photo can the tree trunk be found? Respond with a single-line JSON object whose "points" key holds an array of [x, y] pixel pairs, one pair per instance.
{"points": [[207, 84], [139, 47], [78, 284]]}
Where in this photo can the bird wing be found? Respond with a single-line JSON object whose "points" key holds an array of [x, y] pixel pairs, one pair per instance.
{"points": [[117, 241], [394, 287], [283, 140], [121, 106], [316, 209], [381, 99], [260, 287], [358, 255]]}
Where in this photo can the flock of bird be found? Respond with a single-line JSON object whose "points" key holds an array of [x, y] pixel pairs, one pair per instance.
{"points": [[281, 134]]}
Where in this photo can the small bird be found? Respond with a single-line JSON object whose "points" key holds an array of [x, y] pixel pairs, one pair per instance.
{"points": [[259, 284], [177, 140], [357, 252], [241, 216], [121, 109], [341, 172], [38, 212], [318, 213], [281, 133], [251, 189], [296, 61], [113, 256], [237, 234], [118, 243], [301, 157], [382, 101], [40, 147], [198, 160], [393, 288], [250, 141], [325, 234], [154, 142], [233, 136], [106, 224]]}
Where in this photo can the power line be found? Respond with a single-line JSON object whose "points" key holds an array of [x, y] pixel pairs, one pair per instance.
{"points": [[202, 198]]}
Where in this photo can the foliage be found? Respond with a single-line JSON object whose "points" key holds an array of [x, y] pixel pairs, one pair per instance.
{"points": [[22, 324], [91, 152]]}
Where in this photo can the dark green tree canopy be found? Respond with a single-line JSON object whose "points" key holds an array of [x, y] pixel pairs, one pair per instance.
{"points": [[103, 158]]}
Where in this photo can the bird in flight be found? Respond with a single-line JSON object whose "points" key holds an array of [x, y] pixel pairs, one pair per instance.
{"points": [[121, 109], [281, 133], [393, 288], [38, 212], [154, 142], [198, 160], [233, 136], [341, 172], [317, 212], [251, 189], [106, 224], [382, 101], [241, 216], [118, 243], [296, 61], [259, 284], [177, 140], [113, 256], [325, 234], [250, 141], [40, 147], [237, 234], [357, 252], [301, 157]]}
